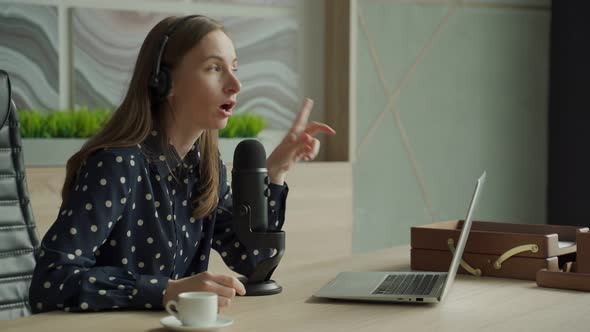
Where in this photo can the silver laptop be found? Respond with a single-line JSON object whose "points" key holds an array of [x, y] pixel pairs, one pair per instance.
{"points": [[415, 287]]}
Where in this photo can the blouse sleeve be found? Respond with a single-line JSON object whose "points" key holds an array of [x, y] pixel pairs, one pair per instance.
{"points": [[65, 276]]}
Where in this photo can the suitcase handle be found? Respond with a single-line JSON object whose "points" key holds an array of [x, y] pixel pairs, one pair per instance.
{"points": [[498, 263], [514, 251], [464, 264]]}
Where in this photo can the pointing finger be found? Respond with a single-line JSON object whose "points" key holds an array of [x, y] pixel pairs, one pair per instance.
{"points": [[303, 115], [318, 127]]}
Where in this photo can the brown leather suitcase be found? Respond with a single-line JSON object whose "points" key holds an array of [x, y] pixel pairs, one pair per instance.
{"points": [[494, 249]]}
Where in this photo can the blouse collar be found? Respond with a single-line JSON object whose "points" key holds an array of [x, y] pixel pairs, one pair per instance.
{"points": [[167, 159]]}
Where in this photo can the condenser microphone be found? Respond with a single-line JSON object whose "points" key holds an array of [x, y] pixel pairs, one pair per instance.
{"points": [[250, 216], [250, 183]]}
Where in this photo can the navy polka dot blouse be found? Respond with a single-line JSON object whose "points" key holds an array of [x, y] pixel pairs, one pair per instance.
{"points": [[126, 229]]}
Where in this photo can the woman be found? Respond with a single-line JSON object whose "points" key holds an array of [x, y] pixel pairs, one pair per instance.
{"points": [[146, 199]]}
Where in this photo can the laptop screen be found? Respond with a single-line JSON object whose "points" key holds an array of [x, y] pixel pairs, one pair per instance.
{"points": [[463, 237]]}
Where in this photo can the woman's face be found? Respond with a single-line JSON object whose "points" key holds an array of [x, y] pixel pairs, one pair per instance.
{"points": [[204, 85]]}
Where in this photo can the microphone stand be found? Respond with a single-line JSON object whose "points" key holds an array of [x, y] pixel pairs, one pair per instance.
{"points": [[259, 282]]}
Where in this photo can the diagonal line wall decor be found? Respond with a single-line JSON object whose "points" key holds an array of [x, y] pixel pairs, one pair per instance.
{"points": [[440, 91], [391, 97]]}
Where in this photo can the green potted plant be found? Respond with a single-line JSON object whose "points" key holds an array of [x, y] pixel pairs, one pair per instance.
{"points": [[246, 126], [50, 138]]}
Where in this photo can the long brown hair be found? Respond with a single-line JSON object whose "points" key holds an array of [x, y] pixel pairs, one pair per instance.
{"points": [[140, 112]]}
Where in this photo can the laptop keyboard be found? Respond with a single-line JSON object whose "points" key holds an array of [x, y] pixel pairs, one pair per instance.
{"points": [[411, 284]]}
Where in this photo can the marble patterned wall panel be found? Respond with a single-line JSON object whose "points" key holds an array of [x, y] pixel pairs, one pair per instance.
{"points": [[269, 70], [28, 52], [279, 3], [107, 41]]}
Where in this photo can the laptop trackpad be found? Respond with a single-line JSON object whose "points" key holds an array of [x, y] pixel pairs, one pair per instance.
{"points": [[352, 284]]}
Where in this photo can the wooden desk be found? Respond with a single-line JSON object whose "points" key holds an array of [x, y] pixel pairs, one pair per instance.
{"points": [[474, 304], [319, 232]]}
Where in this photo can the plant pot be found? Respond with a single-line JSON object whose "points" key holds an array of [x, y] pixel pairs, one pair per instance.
{"points": [[55, 152], [50, 152], [269, 138]]}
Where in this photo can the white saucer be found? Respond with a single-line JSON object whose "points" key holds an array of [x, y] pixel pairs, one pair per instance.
{"points": [[173, 323]]}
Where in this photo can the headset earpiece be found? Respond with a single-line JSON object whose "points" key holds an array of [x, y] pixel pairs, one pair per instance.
{"points": [[161, 83], [161, 80]]}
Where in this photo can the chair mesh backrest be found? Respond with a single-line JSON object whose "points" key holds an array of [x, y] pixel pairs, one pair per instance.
{"points": [[18, 234]]}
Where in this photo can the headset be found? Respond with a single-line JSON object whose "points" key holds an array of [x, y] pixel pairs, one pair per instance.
{"points": [[160, 82]]}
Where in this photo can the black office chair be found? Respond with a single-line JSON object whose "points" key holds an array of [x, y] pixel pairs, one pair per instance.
{"points": [[18, 233]]}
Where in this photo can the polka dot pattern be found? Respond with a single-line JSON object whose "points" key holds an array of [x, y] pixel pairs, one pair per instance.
{"points": [[128, 225]]}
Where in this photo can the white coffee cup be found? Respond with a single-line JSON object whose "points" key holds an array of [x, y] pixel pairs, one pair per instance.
{"points": [[194, 309]]}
